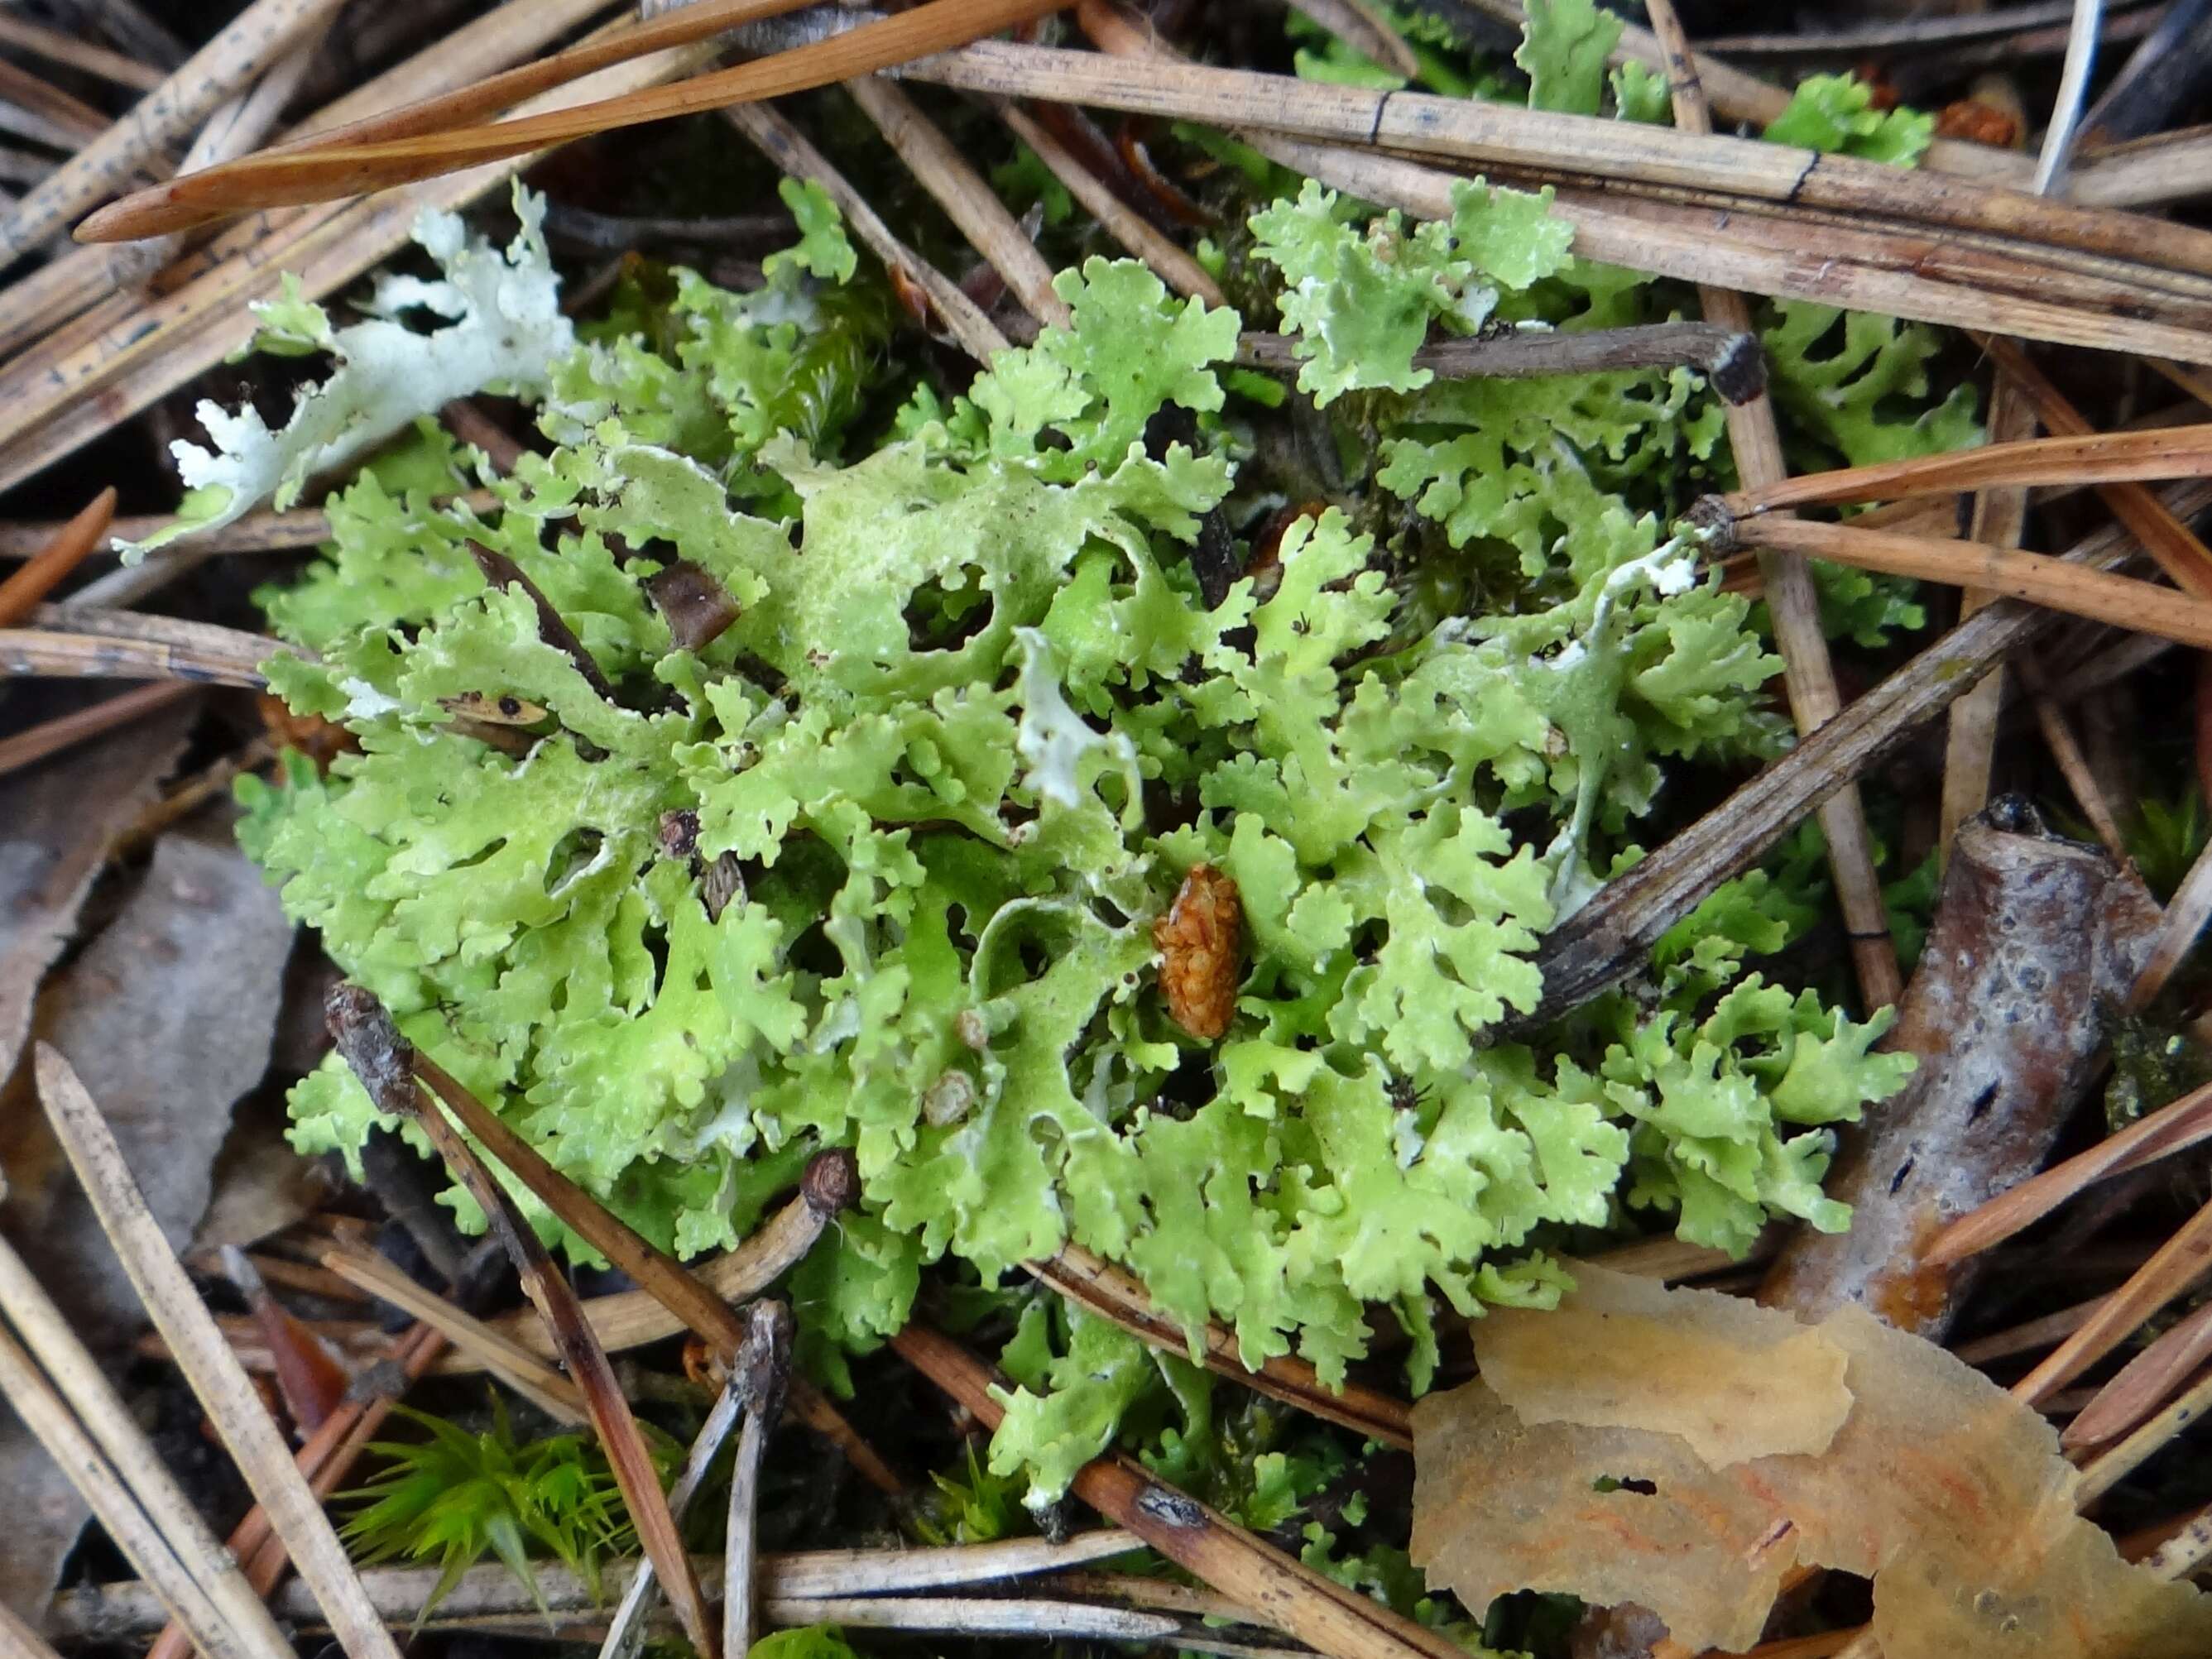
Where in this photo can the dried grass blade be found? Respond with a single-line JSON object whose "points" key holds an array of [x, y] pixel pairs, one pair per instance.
{"points": [[507, 1359], [1105, 1290], [2178, 451], [143, 1544], [2100, 595], [207, 1361], [1281, 1591], [21, 593], [2172, 1268], [380, 1058], [291, 177], [2182, 1123], [81, 1381]]}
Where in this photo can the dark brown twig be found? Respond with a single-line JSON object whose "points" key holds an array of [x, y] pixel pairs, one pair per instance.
{"points": [[382, 1059], [760, 1376], [1729, 358], [831, 1185]]}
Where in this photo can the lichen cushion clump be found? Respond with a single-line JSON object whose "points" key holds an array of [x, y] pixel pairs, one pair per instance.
{"points": [[888, 861]]}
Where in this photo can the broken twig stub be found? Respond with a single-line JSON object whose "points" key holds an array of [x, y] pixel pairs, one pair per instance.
{"points": [[2033, 935]]}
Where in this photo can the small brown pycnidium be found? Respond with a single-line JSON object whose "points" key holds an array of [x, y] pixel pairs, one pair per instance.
{"points": [[1201, 941]]}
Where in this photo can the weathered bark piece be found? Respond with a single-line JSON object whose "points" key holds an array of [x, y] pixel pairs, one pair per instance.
{"points": [[2032, 934]]}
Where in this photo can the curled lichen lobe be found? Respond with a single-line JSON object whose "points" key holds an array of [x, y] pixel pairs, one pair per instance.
{"points": [[1202, 943]]}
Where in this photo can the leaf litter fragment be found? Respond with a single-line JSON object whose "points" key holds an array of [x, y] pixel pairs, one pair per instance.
{"points": [[1939, 1486]]}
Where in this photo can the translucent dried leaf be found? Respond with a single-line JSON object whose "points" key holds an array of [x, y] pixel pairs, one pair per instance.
{"points": [[1501, 1505], [1939, 1486], [1934, 1453], [1728, 1376], [2082, 1603]]}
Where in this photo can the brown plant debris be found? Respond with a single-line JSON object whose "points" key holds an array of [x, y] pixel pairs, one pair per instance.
{"points": [[1201, 943], [1941, 1487]]}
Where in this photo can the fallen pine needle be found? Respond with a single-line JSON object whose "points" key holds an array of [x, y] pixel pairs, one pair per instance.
{"points": [[298, 177], [70, 545], [34, 744], [831, 1183], [626, 1632], [2174, 451], [2145, 1383], [2098, 595], [1101, 1288], [2172, 1268], [143, 1544], [1283, 1592], [498, 1353]]}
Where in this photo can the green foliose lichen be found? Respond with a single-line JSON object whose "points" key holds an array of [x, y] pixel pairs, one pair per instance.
{"points": [[972, 727]]}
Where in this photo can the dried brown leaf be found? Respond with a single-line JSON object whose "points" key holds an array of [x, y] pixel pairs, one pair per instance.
{"points": [[1945, 1490], [1627, 1352]]}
